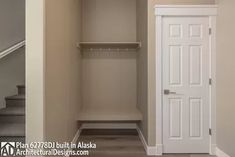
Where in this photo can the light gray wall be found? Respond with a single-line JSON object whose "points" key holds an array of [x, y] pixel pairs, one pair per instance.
{"points": [[12, 31], [225, 77], [12, 73], [12, 19]]}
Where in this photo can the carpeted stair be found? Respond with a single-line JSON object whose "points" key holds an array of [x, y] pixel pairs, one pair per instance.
{"points": [[12, 118]]}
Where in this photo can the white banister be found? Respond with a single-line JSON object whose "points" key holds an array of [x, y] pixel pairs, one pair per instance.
{"points": [[12, 49]]}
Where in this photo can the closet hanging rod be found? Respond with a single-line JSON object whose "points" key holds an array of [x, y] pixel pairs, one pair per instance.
{"points": [[108, 45]]}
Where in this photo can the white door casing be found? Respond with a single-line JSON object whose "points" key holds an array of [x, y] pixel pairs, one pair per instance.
{"points": [[187, 11], [186, 76]]}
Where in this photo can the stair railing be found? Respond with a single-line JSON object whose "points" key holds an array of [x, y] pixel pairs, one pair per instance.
{"points": [[11, 49]]}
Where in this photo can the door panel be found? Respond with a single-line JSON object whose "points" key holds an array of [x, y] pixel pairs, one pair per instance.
{"points": [[175, 65], [186, 76], [195, 121], [175, 107], [195, 62]]}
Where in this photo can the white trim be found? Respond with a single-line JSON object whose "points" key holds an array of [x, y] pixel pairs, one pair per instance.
{"points": [[12, 49], [75, 139], [150, 150], [185, 6], [159, 119], [213, 86], [35, 71], [77, 135], [213, 149], [159, 149], [185, 10], [220, 153], [142, 139], [192, 10]]}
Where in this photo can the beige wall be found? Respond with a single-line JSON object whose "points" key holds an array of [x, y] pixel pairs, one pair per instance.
{"points": [[12, 19], [151, 62], [62, 69], [142, 62], [109, 79], [226, 77], [109, 20]]}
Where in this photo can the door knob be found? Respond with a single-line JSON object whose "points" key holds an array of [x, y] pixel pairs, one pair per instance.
{"points": [[168, 92]]}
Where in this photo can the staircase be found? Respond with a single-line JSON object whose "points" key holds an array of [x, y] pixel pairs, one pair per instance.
{"points": [[12, 118]]}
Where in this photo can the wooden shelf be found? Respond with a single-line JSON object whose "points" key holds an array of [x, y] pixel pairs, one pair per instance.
{"points": [[95, 114], [111, 45]]}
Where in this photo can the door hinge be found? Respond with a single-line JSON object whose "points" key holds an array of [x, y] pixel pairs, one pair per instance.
{"points": [[210, 132], [210, 31], [210, 81]]}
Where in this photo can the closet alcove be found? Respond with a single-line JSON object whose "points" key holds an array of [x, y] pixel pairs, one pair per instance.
{"points": [[111, 47]]}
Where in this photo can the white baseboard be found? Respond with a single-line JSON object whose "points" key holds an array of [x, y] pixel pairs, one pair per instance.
{"points": [[150, 150], [75, 139], [143, 140], [213, 149], [220, 153], [159, 149]]}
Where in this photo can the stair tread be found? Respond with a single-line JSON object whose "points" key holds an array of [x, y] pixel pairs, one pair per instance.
{"points": [[16, 97], [12, 130], [15, 111]]}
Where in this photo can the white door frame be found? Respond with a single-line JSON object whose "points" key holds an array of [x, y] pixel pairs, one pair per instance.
{"points": [[162, 11]]}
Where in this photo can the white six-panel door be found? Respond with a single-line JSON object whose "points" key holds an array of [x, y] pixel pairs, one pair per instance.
{"points": [[186, 84]]}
